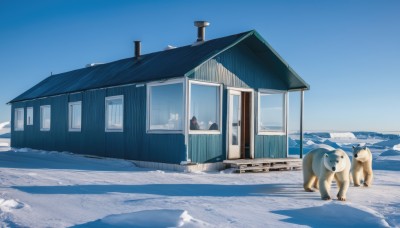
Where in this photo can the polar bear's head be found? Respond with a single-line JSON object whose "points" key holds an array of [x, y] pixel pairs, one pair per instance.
{"points": [[335, 160], [360, 153]]}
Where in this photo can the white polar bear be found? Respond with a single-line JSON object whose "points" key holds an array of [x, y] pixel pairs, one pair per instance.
{"points": [[320, 166], [361, 166]]}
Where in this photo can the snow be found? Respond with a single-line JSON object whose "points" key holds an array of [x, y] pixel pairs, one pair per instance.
{"points": [[389, 143], [5, 125], [146, 218], [390, 153], [343, 135], [53, 189]]}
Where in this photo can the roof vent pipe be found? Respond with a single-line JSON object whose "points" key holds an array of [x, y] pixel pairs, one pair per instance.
{"points": [[201, 29], [137, 49]]}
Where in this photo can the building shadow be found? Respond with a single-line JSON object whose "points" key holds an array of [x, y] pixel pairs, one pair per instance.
{"points": [[59, 160], [210, 190]]}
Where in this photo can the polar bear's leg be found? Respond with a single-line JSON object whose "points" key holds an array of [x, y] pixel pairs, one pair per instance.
{"points": [[338, 182], [308, 174], [316, 183], [343, 181], [325, 186], [356, 171], [368, 174], [308, 182]]}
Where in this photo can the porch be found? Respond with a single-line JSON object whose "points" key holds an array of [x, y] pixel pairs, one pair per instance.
{"points": [[264, 164]]}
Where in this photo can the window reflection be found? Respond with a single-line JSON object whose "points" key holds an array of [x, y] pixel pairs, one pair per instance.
{"points": [[271, 112], [204, 107], [166, 107], [45, 113], [114, 113], [19, 119], [75, 115]]}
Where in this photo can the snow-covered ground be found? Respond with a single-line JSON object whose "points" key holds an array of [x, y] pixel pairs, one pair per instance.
{"points": [[51, 189]]}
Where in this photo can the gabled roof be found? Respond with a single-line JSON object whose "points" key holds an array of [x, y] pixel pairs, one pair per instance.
{"points": [[172, 63]]}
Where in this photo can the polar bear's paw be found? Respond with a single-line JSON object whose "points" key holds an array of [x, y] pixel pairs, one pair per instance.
{"points": [[309, 190], [366, 185], [326, 198], [341, 198]]}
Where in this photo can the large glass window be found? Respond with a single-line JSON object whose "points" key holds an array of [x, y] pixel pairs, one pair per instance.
{"points": [[29, 116], [166, 106], [271, 112], [75, 116], [115, 113], [19, 119], [205, 110], [45, 117]]}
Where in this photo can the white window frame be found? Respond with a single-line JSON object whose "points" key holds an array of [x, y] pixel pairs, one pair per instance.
{"points": [[205, 132], [106, 114], [148, 109], [285, 102], [27, 120], [41, 117], [16, 128], [70, 105]]}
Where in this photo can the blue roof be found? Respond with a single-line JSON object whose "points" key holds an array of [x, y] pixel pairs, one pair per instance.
{"points": [[172, 63]]}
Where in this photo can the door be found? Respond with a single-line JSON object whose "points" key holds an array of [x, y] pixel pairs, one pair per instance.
{"points": [[234, 126]]}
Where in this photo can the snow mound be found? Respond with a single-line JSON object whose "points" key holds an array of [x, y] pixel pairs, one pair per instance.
{"points": [[335, 215], [292, 142], [4, 125], [344, 135], [148, 218], [389, 143], [390, 153], [396, 147], [9, 205], [309, 142]]}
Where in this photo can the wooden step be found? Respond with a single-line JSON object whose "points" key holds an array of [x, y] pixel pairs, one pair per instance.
{"points": [[264, 165]]}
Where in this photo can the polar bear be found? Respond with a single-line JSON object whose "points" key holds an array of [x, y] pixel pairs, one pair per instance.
{"points": [[320, 166], [361, 166]]}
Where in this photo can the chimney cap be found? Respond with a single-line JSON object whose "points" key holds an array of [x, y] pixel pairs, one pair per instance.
{"points": [[201, 24]]}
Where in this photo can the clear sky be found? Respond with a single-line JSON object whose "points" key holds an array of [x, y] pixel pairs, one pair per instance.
{"points": [[348, 51]]}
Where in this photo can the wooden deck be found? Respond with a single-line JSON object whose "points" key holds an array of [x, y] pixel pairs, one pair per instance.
{"points": [[264, 164]]}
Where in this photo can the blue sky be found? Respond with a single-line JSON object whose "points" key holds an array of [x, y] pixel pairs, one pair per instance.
{"points": [[348, 51]]}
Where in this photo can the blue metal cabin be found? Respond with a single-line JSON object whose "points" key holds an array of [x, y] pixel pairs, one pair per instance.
{"points": [[142, 108]]}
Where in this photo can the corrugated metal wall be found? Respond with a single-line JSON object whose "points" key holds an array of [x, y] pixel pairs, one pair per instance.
{"points": [[133, 143], [236, 67], [270, 146], [239, 67]]}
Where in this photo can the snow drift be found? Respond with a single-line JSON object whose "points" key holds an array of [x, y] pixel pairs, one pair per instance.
{"points": [[343, 135]]}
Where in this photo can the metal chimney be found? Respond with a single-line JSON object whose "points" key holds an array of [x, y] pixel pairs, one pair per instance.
{"points": [[137, 49], [201, 29]]}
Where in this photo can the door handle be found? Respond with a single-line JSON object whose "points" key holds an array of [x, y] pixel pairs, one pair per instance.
{"points": [[239, 123]]}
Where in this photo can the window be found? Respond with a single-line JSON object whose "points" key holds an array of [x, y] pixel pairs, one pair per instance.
{"points": [[271, 112], [165, 106], [115, 113], [29, 116], [75, 116], [19, 119], [205, 108], [45, 117]]}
